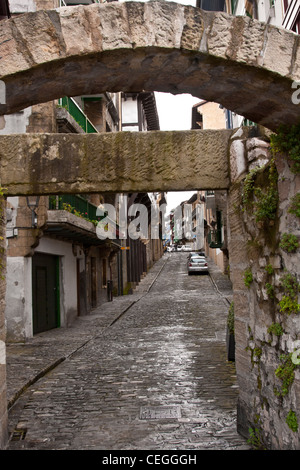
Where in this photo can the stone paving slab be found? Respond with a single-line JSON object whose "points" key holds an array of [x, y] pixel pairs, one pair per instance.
{"points": [[156, 378], [27, 362]]}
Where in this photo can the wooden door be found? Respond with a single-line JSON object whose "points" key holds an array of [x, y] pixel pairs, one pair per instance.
{"points": [[45, 292]]}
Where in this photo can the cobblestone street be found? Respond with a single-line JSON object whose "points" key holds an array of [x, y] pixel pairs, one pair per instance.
{"points": [[145, 372]]}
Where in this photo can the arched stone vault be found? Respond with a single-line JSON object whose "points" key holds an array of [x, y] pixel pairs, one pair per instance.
{"points": [[245, 65]]}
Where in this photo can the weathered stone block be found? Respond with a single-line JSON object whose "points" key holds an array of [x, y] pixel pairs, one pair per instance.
{"points": [[114, 162], [237, 160], [277, 53]]}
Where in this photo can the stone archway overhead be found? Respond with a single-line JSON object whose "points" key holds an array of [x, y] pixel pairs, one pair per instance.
{"points": [[245, 65]]}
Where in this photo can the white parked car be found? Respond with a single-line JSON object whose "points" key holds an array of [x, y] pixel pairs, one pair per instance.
{"points": [[197, 264], [186, 248]]}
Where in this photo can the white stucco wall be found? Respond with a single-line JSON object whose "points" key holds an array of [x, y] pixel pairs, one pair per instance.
{"points": [[18, 312], [130, 115], [15, 123]]}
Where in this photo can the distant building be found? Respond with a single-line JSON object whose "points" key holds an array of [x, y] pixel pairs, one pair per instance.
{"points": [[209, 115]]}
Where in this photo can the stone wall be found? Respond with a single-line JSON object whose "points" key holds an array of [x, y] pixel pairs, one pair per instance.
{"points": [[114, 161], [266, 330], [3, 400]]}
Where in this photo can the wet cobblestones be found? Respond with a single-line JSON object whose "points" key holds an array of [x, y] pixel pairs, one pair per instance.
{"points": [[156, 379]]}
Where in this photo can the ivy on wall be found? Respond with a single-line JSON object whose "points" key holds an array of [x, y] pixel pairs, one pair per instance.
{"points": [[286, 141], [280, 288]]}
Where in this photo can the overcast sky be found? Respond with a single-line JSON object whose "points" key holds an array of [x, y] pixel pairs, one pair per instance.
{"points": [[175, 114]]}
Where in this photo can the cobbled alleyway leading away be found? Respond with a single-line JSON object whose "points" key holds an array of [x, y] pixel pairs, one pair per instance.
{"points": [[156, 379]]}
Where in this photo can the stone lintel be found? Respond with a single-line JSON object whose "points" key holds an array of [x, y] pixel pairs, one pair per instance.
{"points": [[114, 162]]}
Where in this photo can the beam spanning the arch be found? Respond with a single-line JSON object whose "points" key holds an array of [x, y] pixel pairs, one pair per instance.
{"points": [[247, 66], [114, 162]]}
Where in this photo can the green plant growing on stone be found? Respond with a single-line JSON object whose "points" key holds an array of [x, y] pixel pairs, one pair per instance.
{"points": [[289, 305], [257, 352], [275, 329], [67, 207], [266, 201], [248, 186], [290, 284], [263, 201], [286, 140], [289, 242], [292, 421], [248, 277], [270, 290], [269, 268], [255, 439], [295, 205], [291, 287], [286, 373]]}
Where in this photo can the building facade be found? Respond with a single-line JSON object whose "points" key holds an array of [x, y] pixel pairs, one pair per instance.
{"points": [[209, 115], [57, 266]]}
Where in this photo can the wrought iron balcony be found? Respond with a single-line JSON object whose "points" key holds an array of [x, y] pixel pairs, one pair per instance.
{"points": [[76, 112], [73, 217], [75, 204]]}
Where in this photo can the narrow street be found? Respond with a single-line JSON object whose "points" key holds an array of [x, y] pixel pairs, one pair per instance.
{"points": [[155, 379]]}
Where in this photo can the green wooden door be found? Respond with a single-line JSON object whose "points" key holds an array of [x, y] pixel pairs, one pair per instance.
{"points": [[45, 292]]}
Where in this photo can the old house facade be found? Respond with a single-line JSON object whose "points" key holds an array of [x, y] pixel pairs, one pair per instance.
{"points": [[57, 267]]}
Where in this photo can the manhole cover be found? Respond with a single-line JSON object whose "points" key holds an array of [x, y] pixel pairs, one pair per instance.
{"points": [[160, 412]]}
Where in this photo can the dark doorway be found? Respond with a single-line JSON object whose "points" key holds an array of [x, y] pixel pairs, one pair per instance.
{"points": [[45, 292]]}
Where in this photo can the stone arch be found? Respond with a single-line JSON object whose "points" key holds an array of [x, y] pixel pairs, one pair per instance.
{"points": [[247, 66]]}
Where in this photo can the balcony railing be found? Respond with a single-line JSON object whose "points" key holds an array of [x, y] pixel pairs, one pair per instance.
{"points": [[76, 112], [75, 204], [80, 207], [291, 14]]}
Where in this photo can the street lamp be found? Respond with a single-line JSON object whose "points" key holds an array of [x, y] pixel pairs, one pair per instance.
{"points": [[32, 203]]}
